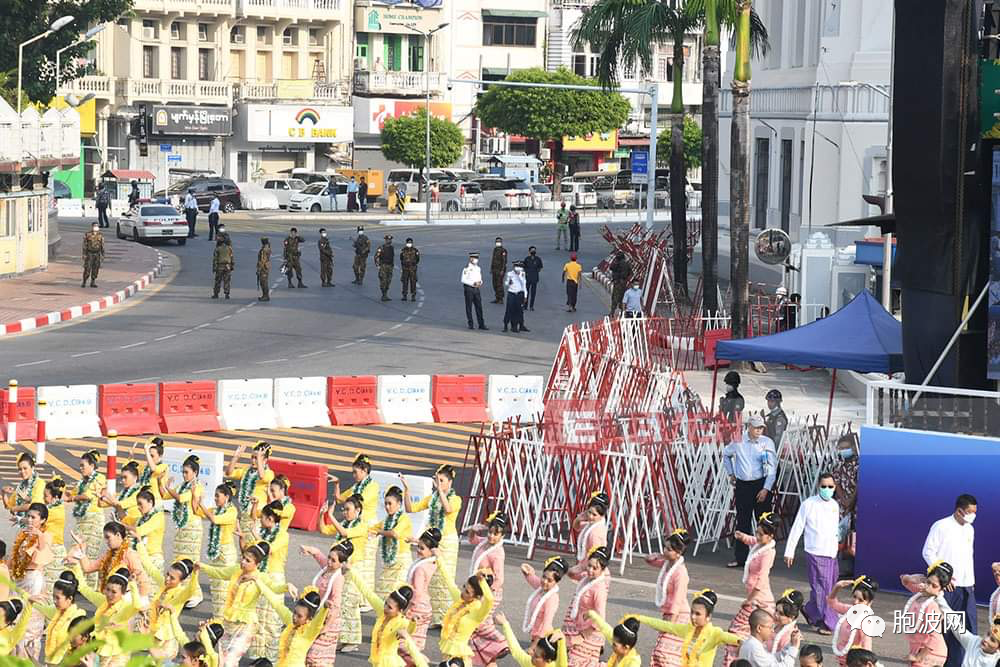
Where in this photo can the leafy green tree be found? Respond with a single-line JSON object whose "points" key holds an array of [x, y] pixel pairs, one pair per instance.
{"points": [[23, 19], [404, 140], [692, 145], [549, 114]]}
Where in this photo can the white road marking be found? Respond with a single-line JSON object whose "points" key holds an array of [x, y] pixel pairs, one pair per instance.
{"points": [[213, 370], [408, 318], [312, 354], [241, 309], [125, 347], [381, 333], [393, 328], [344, 345], [202, 326], [155, 377], [86, 354], [186, 331], [223, 318], [272, 361], [33, 363], [164, 337]]}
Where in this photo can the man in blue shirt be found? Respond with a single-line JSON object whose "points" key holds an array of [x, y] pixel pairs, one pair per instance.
{"points": [[632, 301], [213, 216], [752, 466], [191, 212], [352, 195]]}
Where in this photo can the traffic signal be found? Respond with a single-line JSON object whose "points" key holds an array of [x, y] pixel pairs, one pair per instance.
{"points": [[143, 131]]}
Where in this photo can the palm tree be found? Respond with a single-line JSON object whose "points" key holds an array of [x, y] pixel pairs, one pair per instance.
{"points": [[739, 175], [623, 32]]}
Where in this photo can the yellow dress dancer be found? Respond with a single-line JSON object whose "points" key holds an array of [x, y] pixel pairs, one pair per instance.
{"points": [[29, 490], [622, 638], [701, 638], [549, 651], [154, 473], [173, 592], [391, 624], [394, 535], [368, 489], [265, 642], [357, 532], [301, 628], [240, 607], [222, 551], [149, 530], [87, 512], [444, 505], [59, 616], [15, 615], [252, 482], [470, 607], [202, 652], [56, 527], [124, 502], [277, 491], [185, 517], [115, 607]]}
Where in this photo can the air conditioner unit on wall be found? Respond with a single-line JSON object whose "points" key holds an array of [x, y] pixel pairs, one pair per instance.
{"points": [[148, 32], [237, 38]]}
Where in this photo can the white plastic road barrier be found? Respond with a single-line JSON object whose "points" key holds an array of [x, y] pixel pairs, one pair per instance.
{"points": [[211, 465], [515, 397], [301, 402], [246, 405], [420, 487], [405, 399], [72, 411]]}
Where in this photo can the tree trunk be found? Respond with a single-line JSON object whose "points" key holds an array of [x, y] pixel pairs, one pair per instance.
{"points": [[557, 153], [710, 180], [678, 205], [739, 204]]}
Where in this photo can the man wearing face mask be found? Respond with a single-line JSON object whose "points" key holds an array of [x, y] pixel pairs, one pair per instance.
{"points": [[472, 280], [221, 233], [732, 403], [93, 253], [384, 260], [632, 301], [776, 420], [264, 269], [292, 256], [532, 268], [751, 464], [819, 520], [409, 257], [325, 260], [951, 539], [362, 246], [498, 267], [516, 294]]}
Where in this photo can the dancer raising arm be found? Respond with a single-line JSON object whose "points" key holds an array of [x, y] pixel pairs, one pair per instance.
{"points": [[547, 651], [330, 583], [592, 532], [354, 530], [540, 610], [583, 638], [671, 597], [845, 637], [701, 638], [756, 578], [488, 643]]}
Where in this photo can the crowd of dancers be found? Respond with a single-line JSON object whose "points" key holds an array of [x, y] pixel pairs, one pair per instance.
{"points": [[115, 558]]}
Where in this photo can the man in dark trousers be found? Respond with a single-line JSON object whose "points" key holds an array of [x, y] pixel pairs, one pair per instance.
{"points": [[732, 403], [472, 280], [532, 267], [620, 271], [292, 257], [498, 269], [325, 259], [385, 258], [362, 246], [103, 202], [363, 194], [752, 466], [574, 229], [191, 212]]}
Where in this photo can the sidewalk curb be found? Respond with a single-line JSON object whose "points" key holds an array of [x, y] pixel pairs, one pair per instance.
{"points": [[103, 303]]}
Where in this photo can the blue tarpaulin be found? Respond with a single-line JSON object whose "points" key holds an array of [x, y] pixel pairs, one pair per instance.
{"points": [[862, 336]]}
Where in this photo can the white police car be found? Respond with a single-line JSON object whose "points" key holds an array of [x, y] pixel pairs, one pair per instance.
{"points": [[152, 221]]}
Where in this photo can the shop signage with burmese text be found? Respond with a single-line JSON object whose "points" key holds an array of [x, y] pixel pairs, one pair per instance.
{"points": [[192, 120]]}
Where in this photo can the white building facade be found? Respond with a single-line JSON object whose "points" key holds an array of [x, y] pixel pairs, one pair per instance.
{"points": [[819, 112]]}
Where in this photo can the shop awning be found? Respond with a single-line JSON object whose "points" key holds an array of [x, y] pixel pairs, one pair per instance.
{"points": [[520, 13]]}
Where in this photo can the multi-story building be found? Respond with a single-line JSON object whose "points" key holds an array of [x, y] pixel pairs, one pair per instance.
{"points": [[194, 64], [818, 116]]}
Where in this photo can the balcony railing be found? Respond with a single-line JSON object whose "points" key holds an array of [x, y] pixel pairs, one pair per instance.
{"points": [[252, 91], [195, 6], [398, 83], [166, 90], [103, 87], [285, 7]]}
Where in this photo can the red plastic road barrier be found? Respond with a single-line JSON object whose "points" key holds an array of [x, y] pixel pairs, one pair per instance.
{"points": [[353, 400], [459, 398], [188, 407], [129, 409], [27, 427], [308, 490], [712, 338]]}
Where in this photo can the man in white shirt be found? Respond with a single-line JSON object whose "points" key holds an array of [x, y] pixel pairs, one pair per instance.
{"points": [[950, 539], [818, 518], [472, 280], [213, 216], [517, 291], [191, 212], [979, 651], [753, 648]]}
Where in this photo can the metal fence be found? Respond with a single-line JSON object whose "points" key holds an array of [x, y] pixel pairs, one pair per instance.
{"points": [[941, 409]]}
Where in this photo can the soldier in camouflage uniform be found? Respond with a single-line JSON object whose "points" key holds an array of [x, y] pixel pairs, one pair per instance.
{"points": [[325, 260], [620, 272], [264, 269], [409, 257], [222, 265], [292, 256], [384, 260], [498, 269], [93, 253], [362, 246]]}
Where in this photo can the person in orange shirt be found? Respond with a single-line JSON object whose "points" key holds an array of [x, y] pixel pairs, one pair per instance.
{"points": [[571, 276]]}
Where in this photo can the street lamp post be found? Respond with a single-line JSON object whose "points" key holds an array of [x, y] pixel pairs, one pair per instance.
{"points": [[58, 24], [427, 106], [87, 36]]}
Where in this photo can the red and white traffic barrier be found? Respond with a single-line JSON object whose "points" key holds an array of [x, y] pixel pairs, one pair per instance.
{"points": [[112, 452], [12, 412]]}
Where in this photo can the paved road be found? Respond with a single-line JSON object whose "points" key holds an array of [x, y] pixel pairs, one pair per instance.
{"points": [[180, 333]]}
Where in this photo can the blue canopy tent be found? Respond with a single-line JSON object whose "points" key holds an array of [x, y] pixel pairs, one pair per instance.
{"points": [[862, 336]]}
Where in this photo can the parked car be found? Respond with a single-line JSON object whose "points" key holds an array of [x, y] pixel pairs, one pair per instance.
{"points": [[205, 188], [152, 221], [460, 174], [413, 179], [498, 193], [256, 198], [581, 195], [461, 196], [542, 194], [282, 188], [309, 177], [614, 190], [318, 197]]}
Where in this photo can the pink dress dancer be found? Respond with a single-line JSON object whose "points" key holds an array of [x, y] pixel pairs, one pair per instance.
{"points": [[540, 610], [844, 636], [671, 598], [323, 651], [593, 535], [487, 642], [419, 610], [583, 638], [927, 645], [757, 579]]}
